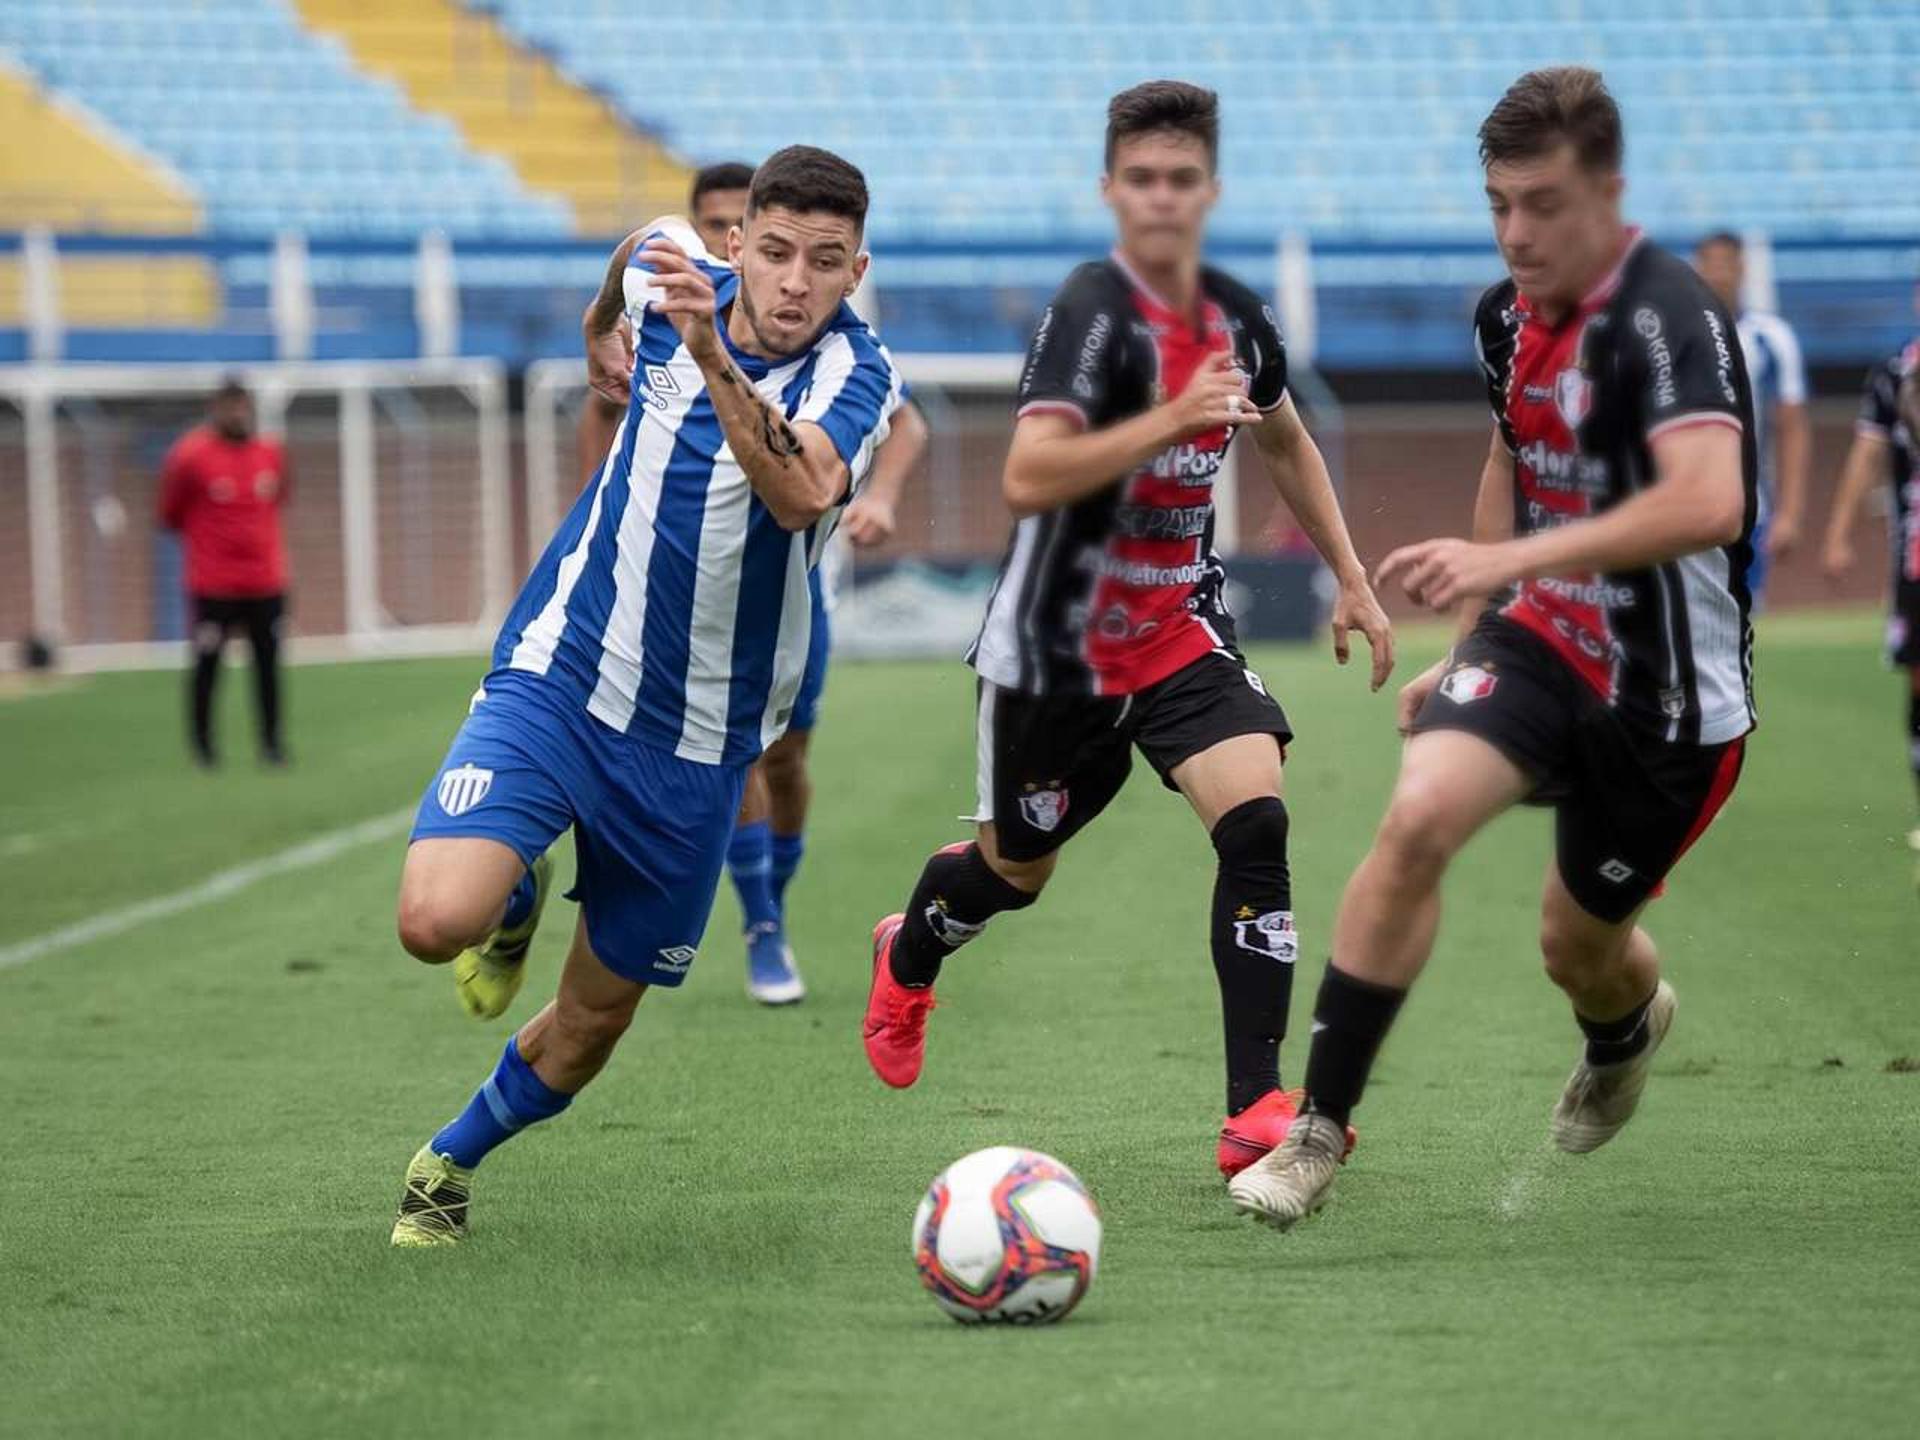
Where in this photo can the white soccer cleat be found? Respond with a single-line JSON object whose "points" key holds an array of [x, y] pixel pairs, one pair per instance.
{"points": [[1288, 1184], [1600, 1099], [773, 978]]}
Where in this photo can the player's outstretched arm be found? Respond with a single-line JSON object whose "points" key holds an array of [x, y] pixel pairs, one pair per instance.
{"points": [[1054, 461], [792, 465], [1697, 502], [871, 518], [1299, 472], [1866, 458]]}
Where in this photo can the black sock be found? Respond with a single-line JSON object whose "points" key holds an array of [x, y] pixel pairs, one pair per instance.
{"points": [[1913, 731], [265, 639], [1253, 944], [206, 672], [957, 894], [1350, 1019], [1611, 1041]]}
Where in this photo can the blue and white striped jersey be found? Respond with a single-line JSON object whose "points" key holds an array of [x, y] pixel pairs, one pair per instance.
{"points": [[1779, 377], [670, 603]]}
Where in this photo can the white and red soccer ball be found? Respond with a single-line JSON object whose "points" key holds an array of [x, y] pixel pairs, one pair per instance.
{"points": [[1007, 1235]]}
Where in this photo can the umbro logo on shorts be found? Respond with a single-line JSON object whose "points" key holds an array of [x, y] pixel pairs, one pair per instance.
{"points": [[464, 787], [677, 958], [1618, 871]]}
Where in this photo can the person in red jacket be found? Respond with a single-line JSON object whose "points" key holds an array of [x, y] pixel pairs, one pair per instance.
{"points": [[222, 488]]}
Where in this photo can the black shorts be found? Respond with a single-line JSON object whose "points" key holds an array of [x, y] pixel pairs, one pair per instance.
{"points": [[1050, 763], [1626, 805], [1903, 625], [239, 612]]}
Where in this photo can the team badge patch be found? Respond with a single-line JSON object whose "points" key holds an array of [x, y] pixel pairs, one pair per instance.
{"points": [[1044, 808], [464, 787], [1271, 934], [1572, 397], [1468, 684]]}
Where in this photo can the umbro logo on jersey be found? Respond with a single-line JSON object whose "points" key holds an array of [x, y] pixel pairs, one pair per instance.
{"points": [[1535, 394], [464, 787], [676, 958], [1468, 684]]}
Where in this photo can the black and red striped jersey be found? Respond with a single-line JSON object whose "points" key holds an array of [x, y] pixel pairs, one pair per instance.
{"points": [[1890, 411], [1122, 589], [1579, 403]]}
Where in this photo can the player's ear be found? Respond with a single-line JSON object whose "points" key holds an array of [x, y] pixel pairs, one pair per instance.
{"points": [[860, 264], [736, 244]]}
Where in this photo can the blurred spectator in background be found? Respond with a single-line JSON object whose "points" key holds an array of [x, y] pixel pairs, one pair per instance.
{"points": [[222, 488], [1779, 380]]}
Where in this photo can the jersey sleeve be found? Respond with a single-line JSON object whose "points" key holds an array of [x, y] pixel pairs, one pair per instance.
{"points": [[1070, 361], [1493, 342], [1679, 357], [854, 392], [1267, 356], [1879, 404], [176, 484], [636, 282]]}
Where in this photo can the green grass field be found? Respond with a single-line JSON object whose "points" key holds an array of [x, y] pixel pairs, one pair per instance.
{"points": [[206, 1117]]}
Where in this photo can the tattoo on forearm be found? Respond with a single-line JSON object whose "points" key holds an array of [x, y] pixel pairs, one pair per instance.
{"points": [[775, 433], [611, 303]]}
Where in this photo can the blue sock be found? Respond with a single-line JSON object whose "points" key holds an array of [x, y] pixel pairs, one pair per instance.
{"points": [[787, 850], [512, 1099], [519, 903], [751, 865]]}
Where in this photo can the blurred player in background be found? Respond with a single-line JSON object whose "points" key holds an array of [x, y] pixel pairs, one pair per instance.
{"points": [[1886, 446], [222, 488], [1106, 630], [770, 839], [1605, 658], [1783, 438], [655, 650]]}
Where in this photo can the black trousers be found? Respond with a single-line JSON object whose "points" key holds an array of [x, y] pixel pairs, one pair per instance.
{"points": [[215, 617]]}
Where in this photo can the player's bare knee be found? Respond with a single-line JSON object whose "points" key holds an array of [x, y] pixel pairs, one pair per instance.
{"points": [[1573, 957], [428, 930], [1028, 875]]}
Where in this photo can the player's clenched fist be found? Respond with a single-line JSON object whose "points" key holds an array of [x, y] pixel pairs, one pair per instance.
{"points": [[1215, 396], [685, 295]]}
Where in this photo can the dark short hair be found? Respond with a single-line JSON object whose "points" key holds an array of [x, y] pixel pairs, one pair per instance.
{"points": [[1543, 108], [727, 175], [1721, 237], [232, 387], [1165, 105], [803, 178]]}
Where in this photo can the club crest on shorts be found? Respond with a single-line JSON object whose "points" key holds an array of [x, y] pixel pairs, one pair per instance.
{"points": [[464, 787], [1044, 807], [1468, 684], [1572, 397], [1271, 934]]}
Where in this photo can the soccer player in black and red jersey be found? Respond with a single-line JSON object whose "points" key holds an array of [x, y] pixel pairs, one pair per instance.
{"points": [[1886, 446], [1604, 662], [1106, 631]]}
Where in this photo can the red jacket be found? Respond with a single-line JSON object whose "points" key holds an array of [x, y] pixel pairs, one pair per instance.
{"points": [[224, 497]]}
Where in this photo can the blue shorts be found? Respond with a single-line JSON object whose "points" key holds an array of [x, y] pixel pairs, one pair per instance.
{"points": [[1761, 565], [813, 680], [650, 829]]}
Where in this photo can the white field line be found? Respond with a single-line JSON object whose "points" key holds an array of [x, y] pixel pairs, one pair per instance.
{"points": [[216, 887]]}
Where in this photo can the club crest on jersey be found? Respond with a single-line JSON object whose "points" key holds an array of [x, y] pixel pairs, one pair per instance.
{"points": [[464, 787], [1271, 934], [1468, 684], [1044, 807], [1572, 397]]}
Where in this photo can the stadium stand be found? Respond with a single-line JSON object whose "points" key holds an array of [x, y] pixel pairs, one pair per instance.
{"points": [[272, 125], [510, 101], [1342, 120]]}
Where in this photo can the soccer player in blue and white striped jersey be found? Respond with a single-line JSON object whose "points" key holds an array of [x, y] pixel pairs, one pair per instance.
{"points": [[657, 647]]}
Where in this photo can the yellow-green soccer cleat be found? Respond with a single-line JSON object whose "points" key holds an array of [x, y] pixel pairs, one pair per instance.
{"points": [[433, 1207], [488, 976]]}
